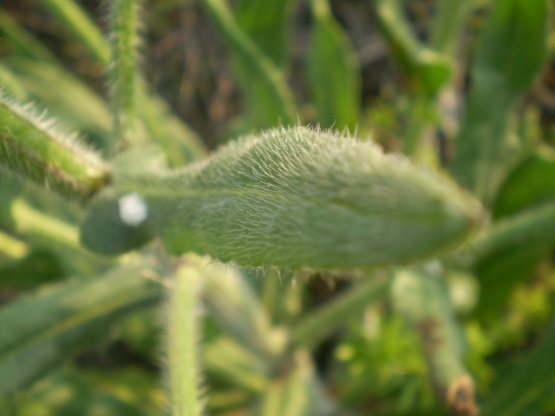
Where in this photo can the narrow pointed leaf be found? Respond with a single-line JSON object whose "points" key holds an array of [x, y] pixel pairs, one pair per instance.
{"points": [[332, 71], [40, 331], [266, 23], [68, 12], [512, 49], [532, 381], [428, 69], [268, 99]]}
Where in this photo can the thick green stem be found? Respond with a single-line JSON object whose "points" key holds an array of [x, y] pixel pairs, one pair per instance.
{"points": [[183, 338], [31, 147]]}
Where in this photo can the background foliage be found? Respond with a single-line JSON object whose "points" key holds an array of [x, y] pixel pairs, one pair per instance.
{"points": [[462, 87]]}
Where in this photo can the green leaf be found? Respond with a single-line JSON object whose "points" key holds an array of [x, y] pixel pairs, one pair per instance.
{"points": [[532, 381], [71, 15], [428, 69], [121, 391], [531, 183], [528, 186], [296, 393], [42, 330], [323, 322], [269, 101], [39, 266], [292, 198], [512, 49], [180, 143], [227, 361], [32, 146], [265, 23], [43, 82], [22, 43], [236, 309], [332, 71]]}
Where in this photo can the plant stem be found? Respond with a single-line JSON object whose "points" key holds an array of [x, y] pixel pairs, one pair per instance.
{"points": [[124, 25], [31, 147], [183, 338], [420, 296]]}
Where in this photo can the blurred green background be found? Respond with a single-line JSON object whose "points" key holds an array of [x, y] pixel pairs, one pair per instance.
{"points": [[410, 75]]}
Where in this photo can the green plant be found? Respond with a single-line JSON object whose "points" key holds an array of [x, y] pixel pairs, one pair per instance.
{"points": [[123, 213]]}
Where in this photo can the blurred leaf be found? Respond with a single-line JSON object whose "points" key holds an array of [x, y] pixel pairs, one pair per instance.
{"points": [[266, 23], [381, 361], [51, 234], [332, 71], [502, 270], [10, 83], [296, 392], [68, 12], [80, 392], [44, 82], [42, 330], [35, 268], [268, 100], [226, 360], [321, 323], [512, 49], [521, 391], [233, 304], [22, 43], [428, 69], [531, 183], [180, 143]]}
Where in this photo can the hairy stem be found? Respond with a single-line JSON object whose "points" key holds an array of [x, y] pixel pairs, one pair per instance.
{"points": [[183, 338], [124, 26], [30, 146]]}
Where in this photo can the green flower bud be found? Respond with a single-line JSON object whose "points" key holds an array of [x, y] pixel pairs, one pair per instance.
{"points": [[293, 198]]}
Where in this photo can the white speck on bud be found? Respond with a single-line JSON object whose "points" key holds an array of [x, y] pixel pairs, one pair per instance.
{"points": [[133, 209]]}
